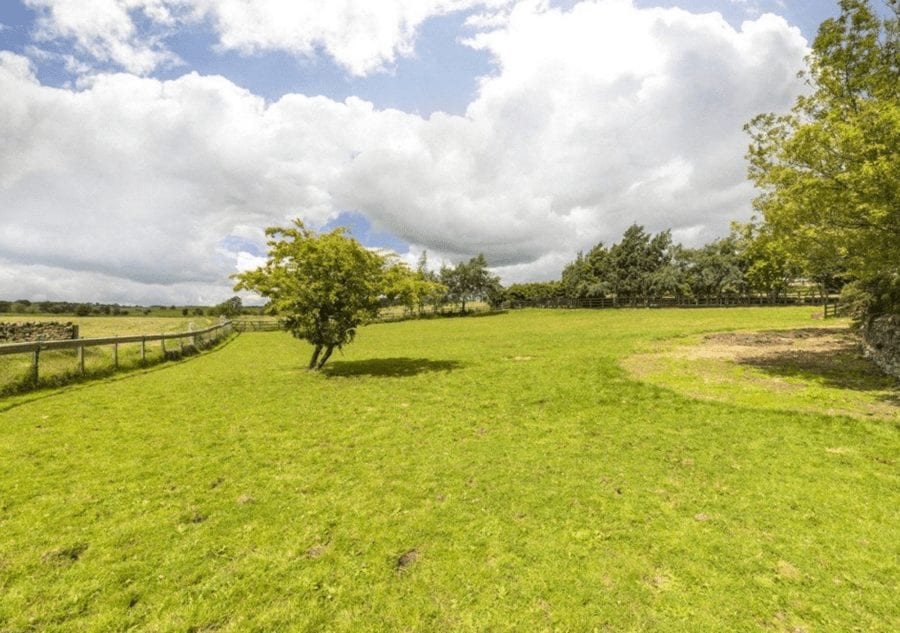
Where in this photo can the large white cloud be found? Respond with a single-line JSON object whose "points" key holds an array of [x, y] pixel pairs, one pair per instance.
{"points": [[362, 36], [595, 118]]}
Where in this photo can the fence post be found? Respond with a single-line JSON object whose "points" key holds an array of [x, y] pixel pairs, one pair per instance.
{"points": [[163, 342], [143, 349], [116, 354], [35, 359], [81, 359]]}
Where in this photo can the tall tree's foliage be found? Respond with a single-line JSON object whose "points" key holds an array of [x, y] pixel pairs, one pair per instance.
{"points": [[323, 286], [829, 170]]}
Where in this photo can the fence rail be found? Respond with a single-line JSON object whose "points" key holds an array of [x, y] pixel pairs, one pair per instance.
{"points": [[247, 325], [80, 344]]}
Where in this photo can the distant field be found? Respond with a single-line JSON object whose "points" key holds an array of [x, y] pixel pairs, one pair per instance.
{"points": [[99, 326], [531, 471]]}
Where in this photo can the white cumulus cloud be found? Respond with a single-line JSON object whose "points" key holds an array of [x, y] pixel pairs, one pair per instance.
{"points": [[596, 117]]}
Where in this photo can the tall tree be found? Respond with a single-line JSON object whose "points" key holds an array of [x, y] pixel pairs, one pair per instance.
{"points": [[829, 171], [323, 286]]}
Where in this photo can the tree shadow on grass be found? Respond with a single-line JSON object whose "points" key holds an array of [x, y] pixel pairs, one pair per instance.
{"points": [[830, 357], [388, 367]]}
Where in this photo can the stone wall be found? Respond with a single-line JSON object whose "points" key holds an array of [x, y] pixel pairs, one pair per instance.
{"points": [[882, 343], [43, 331]]}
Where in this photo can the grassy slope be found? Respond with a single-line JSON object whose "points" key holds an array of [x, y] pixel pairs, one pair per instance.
{"points": [[539, 487]]}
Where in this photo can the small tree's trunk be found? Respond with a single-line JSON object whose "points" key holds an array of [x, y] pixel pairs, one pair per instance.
{"points": [[327, 355], [313, 363]]}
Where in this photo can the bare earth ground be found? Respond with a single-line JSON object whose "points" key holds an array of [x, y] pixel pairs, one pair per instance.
{"points": [[817, 370]]}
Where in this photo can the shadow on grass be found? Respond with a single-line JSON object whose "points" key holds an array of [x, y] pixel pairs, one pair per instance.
{"points": [[388, 367], [832, 358]]}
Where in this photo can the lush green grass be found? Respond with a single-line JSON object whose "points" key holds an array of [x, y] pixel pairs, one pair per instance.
{"points": [[492, 473]]}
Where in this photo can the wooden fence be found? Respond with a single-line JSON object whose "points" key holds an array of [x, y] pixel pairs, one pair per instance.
{"points": [[194, 340], [662, 302], [248, 325]]}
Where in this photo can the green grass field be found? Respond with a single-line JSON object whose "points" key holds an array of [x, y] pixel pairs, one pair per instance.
{"points": [[499, 473]]}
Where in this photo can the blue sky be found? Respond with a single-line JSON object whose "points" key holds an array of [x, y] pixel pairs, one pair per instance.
{"points": [[176, 130]]}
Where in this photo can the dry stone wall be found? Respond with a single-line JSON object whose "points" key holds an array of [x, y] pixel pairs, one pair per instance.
{"points": [[42, 331], [882, 342]]}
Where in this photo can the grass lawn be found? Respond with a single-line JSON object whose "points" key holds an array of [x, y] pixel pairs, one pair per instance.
{"points": [[496, 473]]}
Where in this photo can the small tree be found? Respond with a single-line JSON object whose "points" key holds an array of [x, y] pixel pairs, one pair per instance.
{"points": [[470, 281], [230, 307], [323, 286]]}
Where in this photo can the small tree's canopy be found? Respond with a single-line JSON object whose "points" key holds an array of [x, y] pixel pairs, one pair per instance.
{"points": [[717, 269], [471, 281], [539, 291], [412, 289], [588, 275], [829, 171], [769, 268], [230, 307], [323, 286]]}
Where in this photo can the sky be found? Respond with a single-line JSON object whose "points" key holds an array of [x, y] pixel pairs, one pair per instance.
{"points": [[148, 143]]}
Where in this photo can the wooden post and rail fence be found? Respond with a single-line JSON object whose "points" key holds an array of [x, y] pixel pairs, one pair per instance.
{"points": [[35, 348]]}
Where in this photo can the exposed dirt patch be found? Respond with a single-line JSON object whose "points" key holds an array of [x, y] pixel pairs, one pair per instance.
{"points": [[407, 559], [813, 369], [65, 555], [316, 551], [659, 581]]}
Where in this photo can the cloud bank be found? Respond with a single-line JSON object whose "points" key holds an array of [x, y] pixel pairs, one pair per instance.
{"points": [[133, 189]]}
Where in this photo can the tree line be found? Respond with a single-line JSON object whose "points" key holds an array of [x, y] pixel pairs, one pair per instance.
{"points": [[643, 267]]}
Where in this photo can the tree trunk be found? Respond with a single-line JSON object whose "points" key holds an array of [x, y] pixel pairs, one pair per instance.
{"points": [[313, 363], [327, 355]]}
